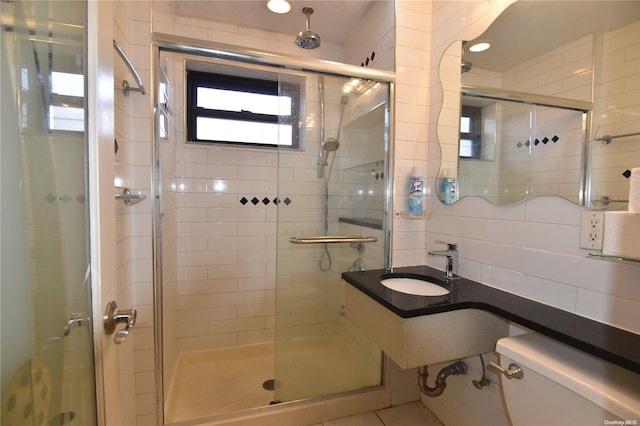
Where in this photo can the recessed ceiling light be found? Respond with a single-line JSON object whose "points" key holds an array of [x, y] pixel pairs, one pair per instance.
{"points": [[279, 6], [480, 46]]}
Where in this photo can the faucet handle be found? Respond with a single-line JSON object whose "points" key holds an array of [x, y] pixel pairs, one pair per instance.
{"points": [[450, 246]]}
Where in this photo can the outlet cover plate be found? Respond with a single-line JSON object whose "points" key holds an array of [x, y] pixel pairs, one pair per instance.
{"points": [[592, 230]]}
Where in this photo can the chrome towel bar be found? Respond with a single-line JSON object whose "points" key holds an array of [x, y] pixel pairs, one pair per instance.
{"points": [[330, 239], [606, 139]]}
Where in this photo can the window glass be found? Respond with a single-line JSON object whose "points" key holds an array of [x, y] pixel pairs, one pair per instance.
{"points": [[232, 109]]}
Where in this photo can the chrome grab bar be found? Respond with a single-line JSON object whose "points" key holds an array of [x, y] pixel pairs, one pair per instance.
{"points": [[514, 371], [330, 239], [126, 88]]}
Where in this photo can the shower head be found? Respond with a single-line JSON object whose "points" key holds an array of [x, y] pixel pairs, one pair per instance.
{"points": [[466, 66], [308, 39], [331, 144]]}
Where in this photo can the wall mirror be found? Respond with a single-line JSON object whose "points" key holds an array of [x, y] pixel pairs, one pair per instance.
{"points": [[531, 114]]}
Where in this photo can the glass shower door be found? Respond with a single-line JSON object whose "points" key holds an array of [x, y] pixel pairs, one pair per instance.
{"points": [[46, 340], [333, 184]]}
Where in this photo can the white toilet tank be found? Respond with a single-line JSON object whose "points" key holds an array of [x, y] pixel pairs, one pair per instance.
{"points": [[563, 386]]}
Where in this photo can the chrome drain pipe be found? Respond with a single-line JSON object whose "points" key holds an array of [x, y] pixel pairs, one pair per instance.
{"points": [[456, 368]]}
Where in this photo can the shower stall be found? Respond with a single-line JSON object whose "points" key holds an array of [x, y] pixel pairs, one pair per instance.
{"points": [[250, 239]]}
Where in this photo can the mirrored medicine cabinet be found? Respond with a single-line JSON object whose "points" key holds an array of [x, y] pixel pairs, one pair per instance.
{"points": [[548, 109]]}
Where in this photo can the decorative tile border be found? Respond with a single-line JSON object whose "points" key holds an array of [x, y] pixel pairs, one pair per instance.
{"points": [[255, 201], [537, 141]]}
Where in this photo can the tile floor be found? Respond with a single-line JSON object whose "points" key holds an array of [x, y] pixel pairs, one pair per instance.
{"points": [[412, 414]]}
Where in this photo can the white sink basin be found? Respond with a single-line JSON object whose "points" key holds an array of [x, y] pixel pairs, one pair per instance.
{"points": [[414, 286]]}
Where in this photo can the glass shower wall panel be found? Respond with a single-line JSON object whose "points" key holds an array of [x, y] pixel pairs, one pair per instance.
{"points": [[47, 344], [317, 350]]}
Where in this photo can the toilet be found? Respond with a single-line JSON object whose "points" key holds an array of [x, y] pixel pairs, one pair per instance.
{"points": [[563, 386]]}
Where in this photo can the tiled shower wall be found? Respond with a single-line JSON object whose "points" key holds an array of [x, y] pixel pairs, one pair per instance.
{"points": [[530, 249]]}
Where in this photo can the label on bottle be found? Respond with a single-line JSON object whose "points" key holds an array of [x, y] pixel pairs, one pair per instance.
{"points": [[416, 185]]}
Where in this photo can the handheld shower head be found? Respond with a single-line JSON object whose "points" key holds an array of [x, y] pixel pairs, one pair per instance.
{"points": [[308, 39]]}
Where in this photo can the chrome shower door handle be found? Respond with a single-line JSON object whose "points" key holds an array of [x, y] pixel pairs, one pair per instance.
{"points": [[114, 316]]}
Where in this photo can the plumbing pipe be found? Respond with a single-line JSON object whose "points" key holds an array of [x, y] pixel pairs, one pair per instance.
{"points": [[456, 368]]}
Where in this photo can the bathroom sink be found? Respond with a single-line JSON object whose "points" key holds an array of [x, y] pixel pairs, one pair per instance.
{"points": [[415, 286]]}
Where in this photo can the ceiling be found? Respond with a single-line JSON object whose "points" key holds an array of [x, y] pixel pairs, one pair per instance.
{"points": [[527, 29], [332, 20]]}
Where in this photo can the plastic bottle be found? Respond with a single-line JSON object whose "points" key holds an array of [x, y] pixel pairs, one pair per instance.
{"points": [[448, 188], [416, 185]]}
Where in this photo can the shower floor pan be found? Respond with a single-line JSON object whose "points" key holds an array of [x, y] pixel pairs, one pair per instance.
{"points": [[227, 380]]}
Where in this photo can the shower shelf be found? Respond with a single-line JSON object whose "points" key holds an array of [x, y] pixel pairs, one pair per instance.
{"points": [[408, 215], [373, 166], [129, 198], [614, 258], [366, 222]]}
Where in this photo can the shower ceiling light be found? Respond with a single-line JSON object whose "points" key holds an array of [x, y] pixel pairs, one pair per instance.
{"points": [[279, 6], [480, 46]]}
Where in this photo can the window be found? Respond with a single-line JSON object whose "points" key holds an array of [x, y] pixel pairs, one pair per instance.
{"points": [[240, 110], [470, 132]]}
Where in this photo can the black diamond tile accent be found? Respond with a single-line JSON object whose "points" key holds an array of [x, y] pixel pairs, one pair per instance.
{"points": [[66, 198], [254, 201], [265, 201], [373, 55], [545, 140], [80, 198], [627, 173], [287, 201], [527, 144], [536, 142], [243, 201], [555, 138], [519, 144], [276, 201]]}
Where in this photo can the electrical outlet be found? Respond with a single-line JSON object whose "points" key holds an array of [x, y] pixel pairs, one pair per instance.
{"points": [[592, 230]]}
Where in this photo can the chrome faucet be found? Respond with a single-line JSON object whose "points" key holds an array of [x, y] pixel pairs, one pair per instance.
{"points": [[452, 260]]}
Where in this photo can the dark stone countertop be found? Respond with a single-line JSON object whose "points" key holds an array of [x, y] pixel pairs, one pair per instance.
{"points": [[612, 344]]}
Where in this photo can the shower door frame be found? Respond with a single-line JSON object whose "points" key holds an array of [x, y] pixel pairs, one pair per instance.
{"points": [[169, 43]]}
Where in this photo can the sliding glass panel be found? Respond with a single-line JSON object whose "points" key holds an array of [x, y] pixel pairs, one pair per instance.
{"points": [[333, 186], [47, 351]]}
